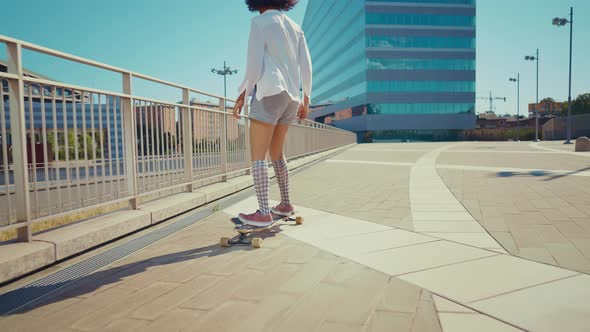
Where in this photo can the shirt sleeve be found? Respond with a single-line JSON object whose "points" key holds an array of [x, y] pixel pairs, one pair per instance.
{"points": [[254, 63], [305, 66]]}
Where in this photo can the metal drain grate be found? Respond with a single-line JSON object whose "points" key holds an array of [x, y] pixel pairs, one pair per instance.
{"points": [[44, 288]]}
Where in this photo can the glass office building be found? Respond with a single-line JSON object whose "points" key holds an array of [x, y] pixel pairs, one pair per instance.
{"points": [[393, 69]]}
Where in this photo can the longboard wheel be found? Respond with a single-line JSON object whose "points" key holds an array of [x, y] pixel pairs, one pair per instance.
{"points": [[256, 242], [299, 220], [224, 241]]}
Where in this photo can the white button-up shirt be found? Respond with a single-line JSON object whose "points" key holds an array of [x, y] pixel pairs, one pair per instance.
{"points": [[278, 57]]}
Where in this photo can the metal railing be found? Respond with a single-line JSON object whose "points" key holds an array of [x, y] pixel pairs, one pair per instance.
{"points": [[66, 148]]}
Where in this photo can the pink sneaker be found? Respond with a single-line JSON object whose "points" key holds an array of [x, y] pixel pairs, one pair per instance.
{"points": [[256, 219], [283, 210]]}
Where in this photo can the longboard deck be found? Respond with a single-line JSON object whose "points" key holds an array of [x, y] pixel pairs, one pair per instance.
{"points": [[245, 231]]}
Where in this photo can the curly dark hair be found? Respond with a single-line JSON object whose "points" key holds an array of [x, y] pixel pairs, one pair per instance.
{"points": [[284, 5]]}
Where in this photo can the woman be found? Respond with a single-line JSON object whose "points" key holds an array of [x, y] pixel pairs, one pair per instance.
{"points": [[278, 65]]}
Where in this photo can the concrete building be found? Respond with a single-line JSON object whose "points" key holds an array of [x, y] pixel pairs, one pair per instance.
{"points": [[404, 69], [206, 124], [548, 108], [74, 111]]}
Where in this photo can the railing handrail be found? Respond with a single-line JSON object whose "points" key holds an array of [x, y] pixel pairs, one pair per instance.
{"points": [[85, 61]]}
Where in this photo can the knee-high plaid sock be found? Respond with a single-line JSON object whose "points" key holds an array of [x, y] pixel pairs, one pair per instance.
{"points": [[282, 175], [260, 174]]}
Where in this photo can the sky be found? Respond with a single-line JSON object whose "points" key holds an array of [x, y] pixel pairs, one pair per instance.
{"points": [[182, 40]]}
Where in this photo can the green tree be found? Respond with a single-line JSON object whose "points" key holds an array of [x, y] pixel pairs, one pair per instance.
{"points": [[52, 143], [581, 105], [90, 147], [547, 100], [58, 144], [72, 143]]}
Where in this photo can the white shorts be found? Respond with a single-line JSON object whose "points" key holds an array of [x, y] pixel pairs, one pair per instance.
{"points": [[275, 109]]}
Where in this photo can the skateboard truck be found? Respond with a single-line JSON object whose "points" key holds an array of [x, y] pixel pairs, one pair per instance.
{"points": [[244, 232]]}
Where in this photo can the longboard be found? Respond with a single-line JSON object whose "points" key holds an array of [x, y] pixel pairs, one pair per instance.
{"points": [[245, 232]]}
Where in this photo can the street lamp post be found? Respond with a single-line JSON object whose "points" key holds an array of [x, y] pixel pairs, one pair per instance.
{"points": [[224, 72], [536, 58], [517, 80], [561, 22]]}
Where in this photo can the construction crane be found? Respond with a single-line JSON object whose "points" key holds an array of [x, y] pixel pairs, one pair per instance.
{"points": [[491, 101]]}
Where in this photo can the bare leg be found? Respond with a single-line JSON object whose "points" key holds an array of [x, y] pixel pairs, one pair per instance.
{"points": [[278, 142], [261, 134]]}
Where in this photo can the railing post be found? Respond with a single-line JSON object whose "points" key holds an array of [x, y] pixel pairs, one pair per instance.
{"points": [[223, 140], [187, 139], [129, 131], [19, 140], [247, 134]]}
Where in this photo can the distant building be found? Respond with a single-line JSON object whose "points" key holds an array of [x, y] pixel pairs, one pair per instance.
{"points": [[207, 124], [156, 116], [82, 113], [487, 115], [396, 68], [548, 108], [488, 122], [491, 121]]}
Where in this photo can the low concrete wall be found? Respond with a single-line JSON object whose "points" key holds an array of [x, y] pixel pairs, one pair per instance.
{"points": [[556, 129], [17, 259]]}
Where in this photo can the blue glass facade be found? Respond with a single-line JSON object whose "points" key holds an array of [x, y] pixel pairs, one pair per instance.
{"points": [[403, 61], [335, 32]]}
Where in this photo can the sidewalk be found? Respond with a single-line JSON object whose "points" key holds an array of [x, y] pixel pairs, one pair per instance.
{"points": [[402, 237]]}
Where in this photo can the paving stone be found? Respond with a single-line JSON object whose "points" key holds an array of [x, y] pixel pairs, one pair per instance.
{"points": [[338, 326], [537, 254], [453, 322], [554, 215], [583, 245], [270, 311], [365, 287], [126, 324], [444, 305], [309, 312], [102, 280], [557, 306], [219, 293], [48, 308], [426, 318], [495, 224], [309, 276], [175, 320], [572, 230], [65, 317], [525, 205], [175, 298], [568, 256], [424, 256], [486, 277], [228, 316], [99, 318], [391, 321], [264, 284]]}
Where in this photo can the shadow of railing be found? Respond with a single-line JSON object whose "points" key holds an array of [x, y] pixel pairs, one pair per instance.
{"points": [[541, 173]]}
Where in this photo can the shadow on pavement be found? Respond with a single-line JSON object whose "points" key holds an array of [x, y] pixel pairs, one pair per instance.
{"points": [[558, 176], [90, 283], [550, 175]]}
